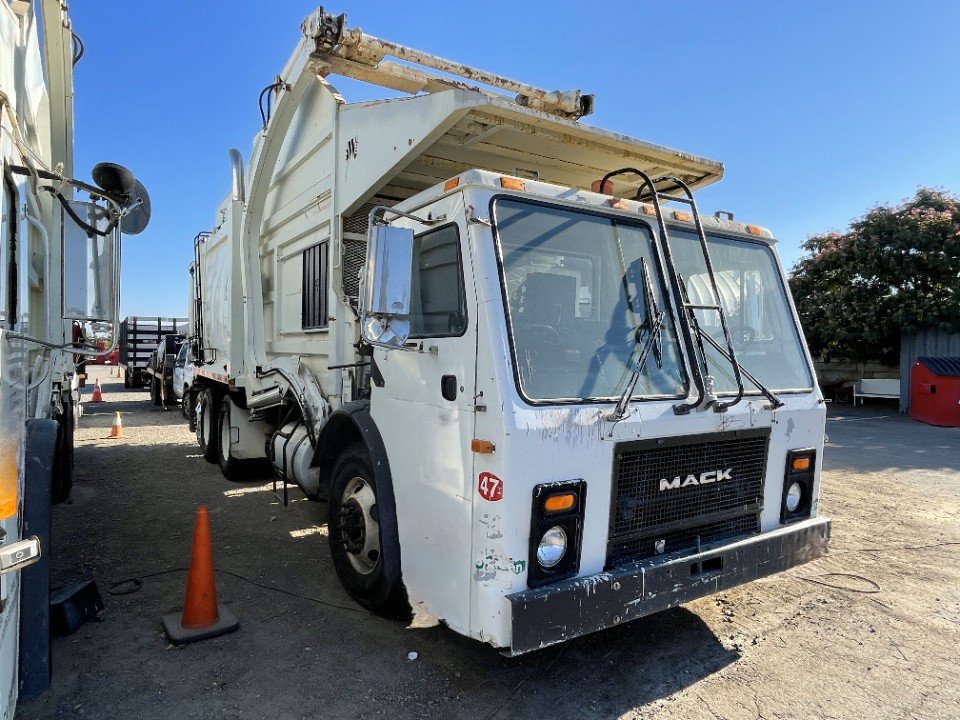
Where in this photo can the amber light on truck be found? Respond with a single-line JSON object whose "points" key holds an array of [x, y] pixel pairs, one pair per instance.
{"points": [[797, 500], [556, 530]]}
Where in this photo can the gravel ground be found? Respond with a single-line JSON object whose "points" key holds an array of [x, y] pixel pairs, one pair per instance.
{"points": [[804, 644]]}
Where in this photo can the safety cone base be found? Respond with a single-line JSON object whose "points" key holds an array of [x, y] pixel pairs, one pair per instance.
{"points": [[179, 635]]}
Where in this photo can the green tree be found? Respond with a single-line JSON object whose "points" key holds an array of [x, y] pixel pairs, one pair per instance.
{"points": [[896, 268]]}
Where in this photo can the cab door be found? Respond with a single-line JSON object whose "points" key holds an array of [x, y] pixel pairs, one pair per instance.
{"points": [[422, 400]]}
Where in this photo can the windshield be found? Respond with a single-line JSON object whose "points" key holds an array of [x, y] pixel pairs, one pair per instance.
{"points": [[754, 299], [579, 290]]}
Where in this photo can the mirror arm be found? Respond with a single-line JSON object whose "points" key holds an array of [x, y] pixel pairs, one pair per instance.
{"points": [[383, 210], [48, 175]]}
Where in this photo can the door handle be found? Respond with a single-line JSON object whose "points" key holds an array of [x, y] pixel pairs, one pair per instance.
{"points": [[448, 387]]}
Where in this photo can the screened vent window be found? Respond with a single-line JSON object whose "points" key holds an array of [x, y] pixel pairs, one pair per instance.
{"points": [[437, 296], [314, 313]]}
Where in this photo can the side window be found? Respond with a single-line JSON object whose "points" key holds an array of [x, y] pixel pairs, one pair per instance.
{"points": [[314, 308], [438, 303]]}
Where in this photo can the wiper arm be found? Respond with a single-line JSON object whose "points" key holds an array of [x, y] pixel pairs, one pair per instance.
{"points": [[774, 400], [620, 411]]}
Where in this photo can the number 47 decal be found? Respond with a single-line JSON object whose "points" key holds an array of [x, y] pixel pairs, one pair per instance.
{"points": [[490, 487]]}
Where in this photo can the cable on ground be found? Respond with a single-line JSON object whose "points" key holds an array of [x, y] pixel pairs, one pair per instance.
{"points": [[130, 585]]}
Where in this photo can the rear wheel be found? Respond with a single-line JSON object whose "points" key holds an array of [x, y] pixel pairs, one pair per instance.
{"points": [[156, 396], [206, 425], [127, 382], [232, 468], [355, 537]]}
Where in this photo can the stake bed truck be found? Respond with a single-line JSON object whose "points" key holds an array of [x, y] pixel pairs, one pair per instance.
{"points": [[539, 392]]}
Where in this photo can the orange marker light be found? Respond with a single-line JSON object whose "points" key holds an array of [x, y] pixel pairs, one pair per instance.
{"points": [[800, 464], [754, 230], [648, 209], [451, 184], [618, 203], [482, 446], [9, 477], [511, 183], [682, 216], [559, 502], [607, 187]]}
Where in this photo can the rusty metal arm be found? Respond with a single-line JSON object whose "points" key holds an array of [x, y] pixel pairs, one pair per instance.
{"points": [[351, 53]]}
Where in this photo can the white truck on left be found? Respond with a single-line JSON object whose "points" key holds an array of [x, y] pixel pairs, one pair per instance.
{"points": [[59, 271]]}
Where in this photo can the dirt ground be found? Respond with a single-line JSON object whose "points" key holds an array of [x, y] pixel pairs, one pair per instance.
{"points": [[804, 644]]}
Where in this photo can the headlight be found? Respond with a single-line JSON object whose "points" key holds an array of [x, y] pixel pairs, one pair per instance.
{"points": [[794, 496], [552, 546]]}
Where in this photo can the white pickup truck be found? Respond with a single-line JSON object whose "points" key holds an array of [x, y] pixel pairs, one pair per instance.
{"points": [[183, 379]]}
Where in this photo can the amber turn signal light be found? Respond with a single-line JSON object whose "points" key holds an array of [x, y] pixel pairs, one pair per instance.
{"points": [[559, 502], [800, 464], [482, 446]]}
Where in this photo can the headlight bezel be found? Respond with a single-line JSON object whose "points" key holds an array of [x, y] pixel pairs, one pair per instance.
{"points": [[804, 479], [569, 521]]}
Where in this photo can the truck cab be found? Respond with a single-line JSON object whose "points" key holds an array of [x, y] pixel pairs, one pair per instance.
{"points": [[530, 308]]}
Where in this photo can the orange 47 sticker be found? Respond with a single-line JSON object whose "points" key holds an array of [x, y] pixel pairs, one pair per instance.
{"points": [[490, 487]]}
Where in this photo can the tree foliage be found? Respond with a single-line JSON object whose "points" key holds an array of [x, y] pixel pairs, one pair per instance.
{"points": [[896, 268]]}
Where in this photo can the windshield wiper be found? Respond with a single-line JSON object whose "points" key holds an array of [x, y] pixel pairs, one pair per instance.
{"points": [[768, 393], [653, 324]]}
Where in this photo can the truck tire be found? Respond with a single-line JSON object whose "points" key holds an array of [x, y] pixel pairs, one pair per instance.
{"points": [[353, 529], [207, 435], [233, 469], [186, 405], [155, 392], [127, 383], [62, 481]]}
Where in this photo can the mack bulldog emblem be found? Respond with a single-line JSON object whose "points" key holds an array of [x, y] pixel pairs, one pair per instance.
{"points": [[704, 478]]}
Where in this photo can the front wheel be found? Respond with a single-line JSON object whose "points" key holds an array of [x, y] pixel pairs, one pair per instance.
{"points": [[186, 408], [156, 392], [355, 538], [127, 381], [206, 423]]}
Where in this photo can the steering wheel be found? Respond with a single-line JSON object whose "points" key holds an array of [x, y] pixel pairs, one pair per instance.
{"points": [[744, 334]]}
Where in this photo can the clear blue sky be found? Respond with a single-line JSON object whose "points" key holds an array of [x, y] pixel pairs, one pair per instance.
{"points": [[819, 110]]}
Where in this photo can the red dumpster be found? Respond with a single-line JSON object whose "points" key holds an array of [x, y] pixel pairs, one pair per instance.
{"points": [[935, 391]]}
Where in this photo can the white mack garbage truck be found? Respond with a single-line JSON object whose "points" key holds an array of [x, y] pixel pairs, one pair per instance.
{"points": [[539, 392]]}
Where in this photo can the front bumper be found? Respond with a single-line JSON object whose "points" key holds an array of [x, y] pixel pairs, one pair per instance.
{"points": [[568, 609]]}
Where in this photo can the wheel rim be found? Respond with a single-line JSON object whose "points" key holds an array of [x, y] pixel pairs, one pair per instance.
{"points": [[203, 426], [225, 435], [359, 529]]}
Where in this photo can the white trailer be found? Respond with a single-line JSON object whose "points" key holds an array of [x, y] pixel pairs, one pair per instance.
{"points": [[540, 393], [58, 271]]}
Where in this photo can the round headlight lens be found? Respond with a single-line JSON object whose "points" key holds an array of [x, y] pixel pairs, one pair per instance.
{"points": [[552, 546], [794, 496]]}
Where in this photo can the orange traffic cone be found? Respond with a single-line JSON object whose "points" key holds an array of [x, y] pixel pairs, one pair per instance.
{"points": [[97, 393], [116, 431], [202, 616]]}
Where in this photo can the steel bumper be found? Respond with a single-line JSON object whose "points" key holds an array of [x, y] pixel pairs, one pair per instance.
{"points": [[568, 609]]}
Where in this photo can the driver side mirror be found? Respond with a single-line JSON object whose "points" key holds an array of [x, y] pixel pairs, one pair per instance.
{"points": [[385, 300], [90, 272]]}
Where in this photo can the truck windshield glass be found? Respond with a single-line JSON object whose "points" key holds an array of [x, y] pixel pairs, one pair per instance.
{"points": [[753, 296], [577, 299]]}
